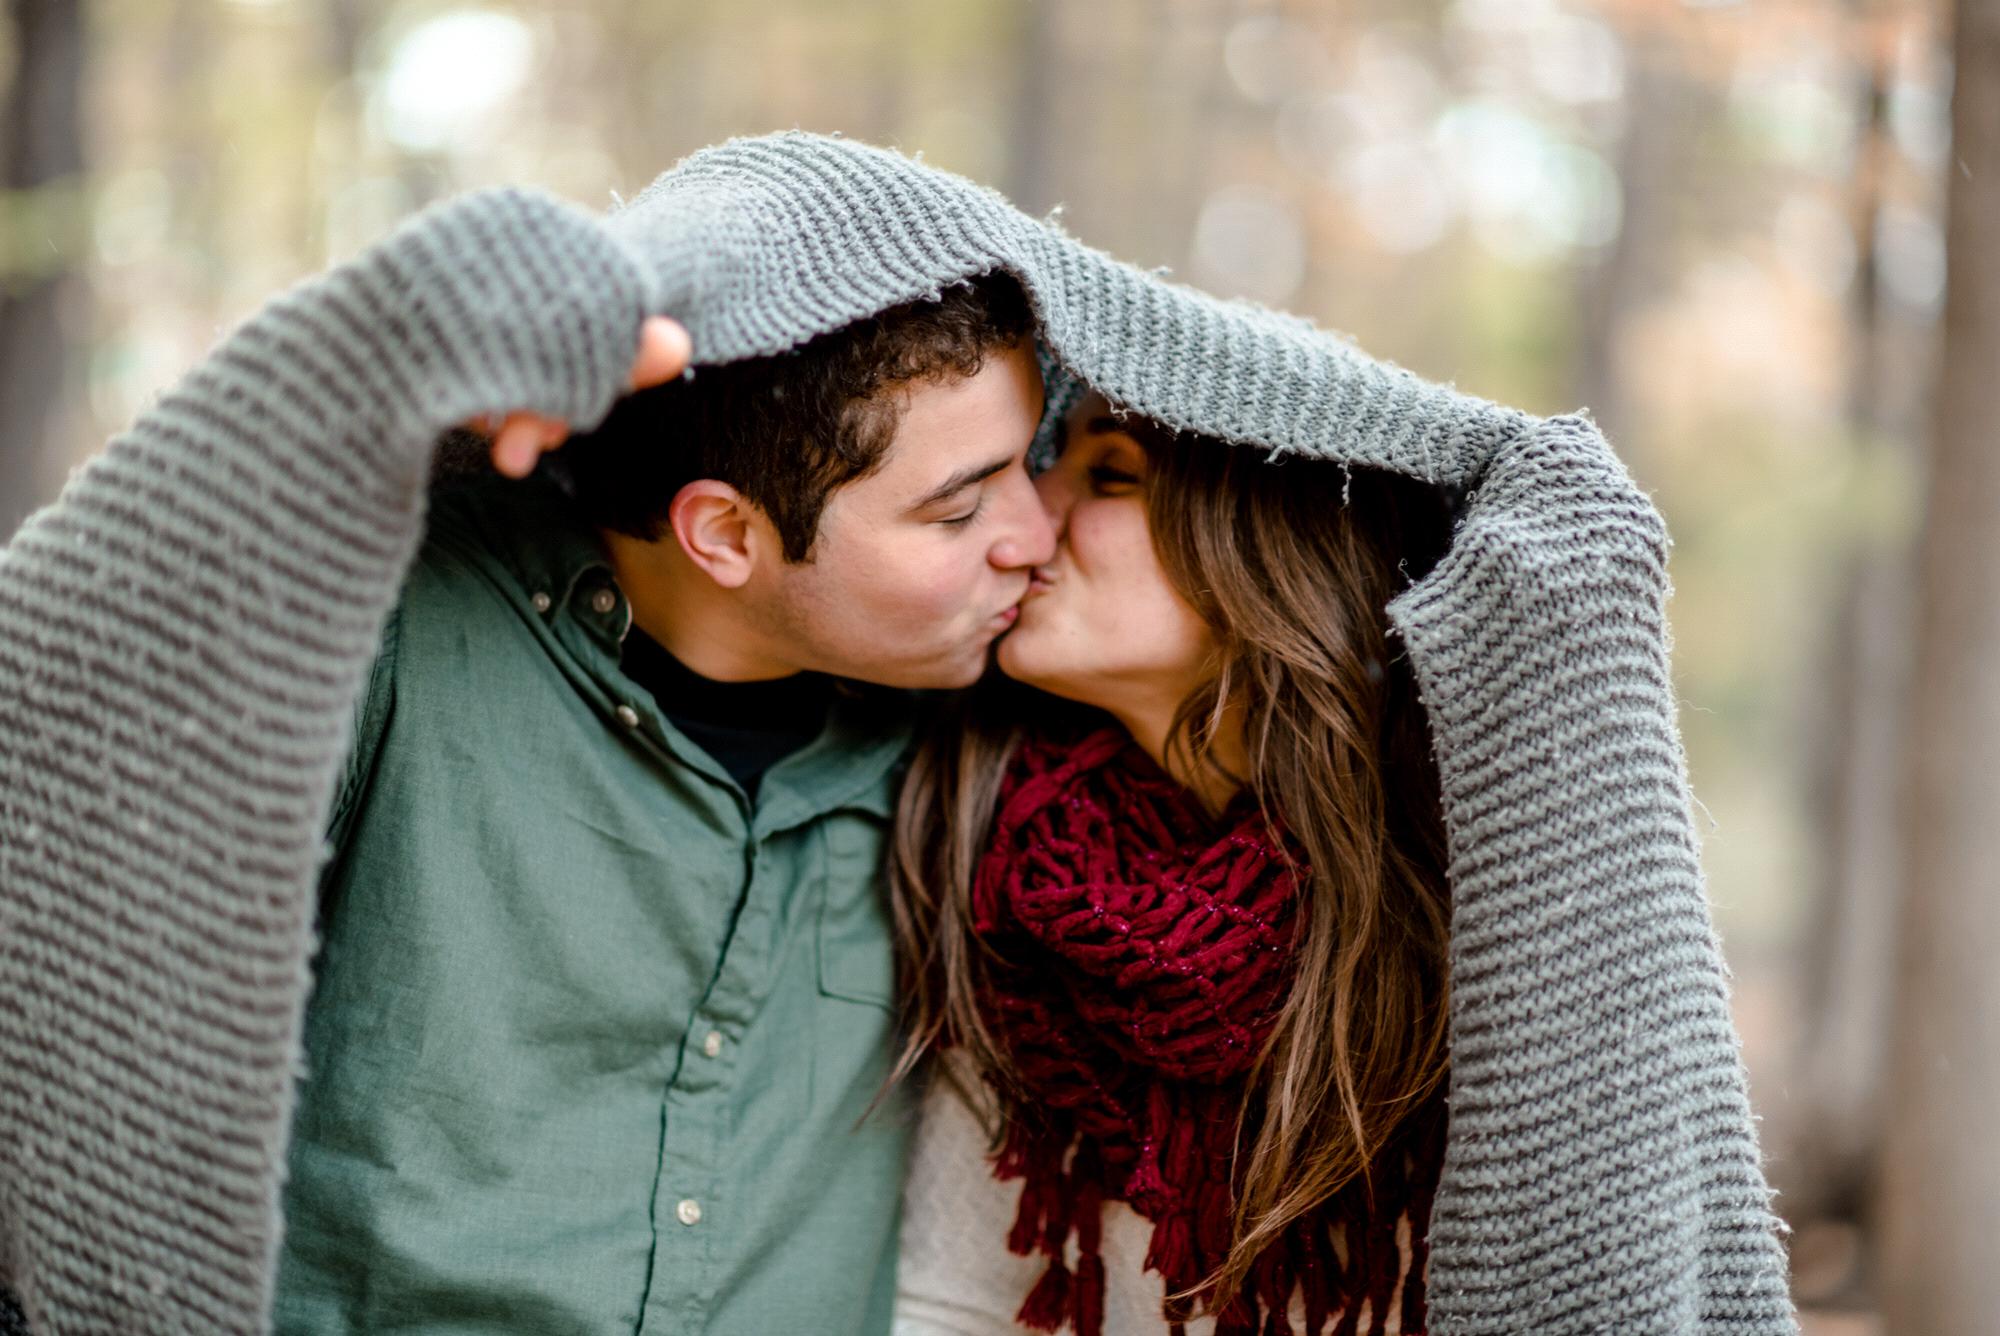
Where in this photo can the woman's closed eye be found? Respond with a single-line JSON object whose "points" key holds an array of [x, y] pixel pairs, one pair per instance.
{"points": [[1106, 478]]}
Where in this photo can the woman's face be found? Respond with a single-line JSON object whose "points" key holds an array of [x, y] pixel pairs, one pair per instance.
{"points": [[1100, 622]]}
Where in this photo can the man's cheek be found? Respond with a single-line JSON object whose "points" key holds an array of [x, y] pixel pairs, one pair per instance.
{"points": [[940, 591]]}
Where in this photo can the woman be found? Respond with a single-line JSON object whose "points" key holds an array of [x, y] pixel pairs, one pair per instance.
{"points": [[1186, 940]]}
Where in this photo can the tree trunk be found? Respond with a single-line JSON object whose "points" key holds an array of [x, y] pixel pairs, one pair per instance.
{"points": [[41, 156], [1029, 179], [1661, 109], [1826, 1133], [1941, 1177]]}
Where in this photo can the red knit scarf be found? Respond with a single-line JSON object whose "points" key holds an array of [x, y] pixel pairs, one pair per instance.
{"points": [[1144, 950]]}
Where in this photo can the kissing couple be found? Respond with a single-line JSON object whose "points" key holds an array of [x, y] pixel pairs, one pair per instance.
{"points": [[812, 754]]}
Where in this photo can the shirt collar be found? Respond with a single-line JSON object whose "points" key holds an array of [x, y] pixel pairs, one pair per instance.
{"points": [[534, 530]]}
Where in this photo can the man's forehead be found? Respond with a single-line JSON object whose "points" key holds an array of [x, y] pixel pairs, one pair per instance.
{"points": [[919, 461]]}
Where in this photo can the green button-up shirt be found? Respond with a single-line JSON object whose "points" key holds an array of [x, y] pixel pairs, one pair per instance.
{"points": [[591, 1031]]}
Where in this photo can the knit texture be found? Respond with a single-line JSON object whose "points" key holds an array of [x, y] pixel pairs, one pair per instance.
{"points": [[1141, 954], [185, 630]]}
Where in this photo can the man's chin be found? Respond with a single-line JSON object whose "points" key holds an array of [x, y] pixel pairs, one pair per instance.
{"points": [[971, 670], [938, 674]]}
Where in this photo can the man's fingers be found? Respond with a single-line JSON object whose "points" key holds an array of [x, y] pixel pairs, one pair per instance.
{"points": [[509, 456], [664, 350], [522, 439]]}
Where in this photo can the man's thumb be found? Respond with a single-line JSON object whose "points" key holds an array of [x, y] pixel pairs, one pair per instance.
{"points": [[664, 350]]}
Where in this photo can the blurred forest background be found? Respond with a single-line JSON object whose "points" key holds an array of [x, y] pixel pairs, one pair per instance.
{"points": [[1721, 227]]}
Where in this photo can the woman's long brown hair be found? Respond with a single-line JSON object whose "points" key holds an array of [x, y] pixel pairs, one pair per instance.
{"points": [[1290, 562]]}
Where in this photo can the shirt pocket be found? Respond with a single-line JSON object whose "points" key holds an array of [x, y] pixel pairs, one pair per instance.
{"points": [[857, 954]]}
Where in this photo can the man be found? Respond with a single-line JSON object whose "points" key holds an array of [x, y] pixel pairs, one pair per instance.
{"points": [[602, 978], [606, 976]]}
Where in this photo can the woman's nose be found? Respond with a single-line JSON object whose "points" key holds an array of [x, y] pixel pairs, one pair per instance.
{"points": [[1057, 497]]}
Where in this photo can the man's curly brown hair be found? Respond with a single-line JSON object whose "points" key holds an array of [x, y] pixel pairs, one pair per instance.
{"points": [[786, 430]]}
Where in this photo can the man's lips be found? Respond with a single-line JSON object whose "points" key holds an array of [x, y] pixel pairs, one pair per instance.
{"points": [[1007, 616]]}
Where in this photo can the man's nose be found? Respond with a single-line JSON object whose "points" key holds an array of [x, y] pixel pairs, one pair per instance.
{"points": [[1030, 537]]}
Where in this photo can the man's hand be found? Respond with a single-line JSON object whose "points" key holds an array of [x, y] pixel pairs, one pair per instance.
{"points": [[664, 349]]}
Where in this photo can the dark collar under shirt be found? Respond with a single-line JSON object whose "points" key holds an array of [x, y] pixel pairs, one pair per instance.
{"points": [[748, 727]]}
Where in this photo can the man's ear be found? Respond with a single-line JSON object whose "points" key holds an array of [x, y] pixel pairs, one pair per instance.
{"points": [[719, 529]]}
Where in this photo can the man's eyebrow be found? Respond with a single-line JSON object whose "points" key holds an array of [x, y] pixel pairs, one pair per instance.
{"points": [[961, 480]]}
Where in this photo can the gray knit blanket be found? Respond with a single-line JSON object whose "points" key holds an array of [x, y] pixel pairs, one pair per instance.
{"points": [[184, 633]]}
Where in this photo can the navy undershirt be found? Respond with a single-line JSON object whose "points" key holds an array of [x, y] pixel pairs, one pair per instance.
{"points": [[748, 727]]}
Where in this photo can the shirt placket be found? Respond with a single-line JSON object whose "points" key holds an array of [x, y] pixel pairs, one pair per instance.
{"points": [[692, 1205], [691, 1202]]}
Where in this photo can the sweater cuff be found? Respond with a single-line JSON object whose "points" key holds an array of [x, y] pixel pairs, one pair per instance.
{"points": [[496, 301]]}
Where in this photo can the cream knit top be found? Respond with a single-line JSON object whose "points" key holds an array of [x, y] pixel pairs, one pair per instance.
{"points": [[955, 1276]]}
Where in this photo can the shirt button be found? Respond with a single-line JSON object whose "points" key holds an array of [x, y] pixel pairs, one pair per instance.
{"points": [[541, 601], [688, 1212], [712, 1045], [628, 716], [603, 601]]}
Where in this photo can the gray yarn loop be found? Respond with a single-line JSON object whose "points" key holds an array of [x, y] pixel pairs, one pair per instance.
{"points": [[185, 630]]}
